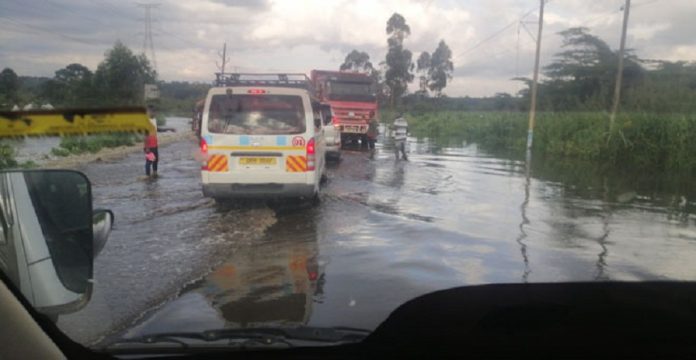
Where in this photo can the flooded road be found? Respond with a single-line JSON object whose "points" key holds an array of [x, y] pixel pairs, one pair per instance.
{"points": [[384, 233]]}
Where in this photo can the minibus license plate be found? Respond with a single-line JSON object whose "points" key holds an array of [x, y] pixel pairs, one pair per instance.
{"points": [[257, 161]]}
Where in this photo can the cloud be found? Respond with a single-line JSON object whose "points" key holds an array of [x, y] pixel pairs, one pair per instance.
{"points": [[488, 42], [255, 4]]}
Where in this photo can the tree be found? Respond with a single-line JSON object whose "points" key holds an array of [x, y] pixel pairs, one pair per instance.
{"points": [[9, 88], [399, 65], [441, 68], [504, 101], [70, 87], [357, 61], [584, 73], [423, 67], [397, 29], [121, 77]]}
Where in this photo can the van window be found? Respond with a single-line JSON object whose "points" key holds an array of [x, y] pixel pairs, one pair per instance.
{"points": [[326, 115], [256, 114], [316, 112]]}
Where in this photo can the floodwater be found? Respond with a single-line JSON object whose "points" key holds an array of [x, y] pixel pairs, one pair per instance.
{"points": [[383, 233]]}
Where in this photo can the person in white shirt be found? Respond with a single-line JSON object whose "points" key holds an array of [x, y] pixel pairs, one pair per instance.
{"points": [[400, 132]]}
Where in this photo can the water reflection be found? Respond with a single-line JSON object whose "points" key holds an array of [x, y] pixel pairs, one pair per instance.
{"points": [[253, 289], [602, 240], [446, 218], [525, 220], [583, 220], [269, 282]]}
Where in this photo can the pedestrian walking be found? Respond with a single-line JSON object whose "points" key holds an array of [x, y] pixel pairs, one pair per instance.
{"points": [[399, 134], [372, 133], [150, 149]]}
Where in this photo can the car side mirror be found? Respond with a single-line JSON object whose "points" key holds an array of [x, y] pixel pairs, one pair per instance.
{"points": [[317, 123], [49, 232], [102, 223]]}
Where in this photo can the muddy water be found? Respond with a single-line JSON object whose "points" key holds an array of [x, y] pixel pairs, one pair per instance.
{"points": [[165, 235], [388, 231]]}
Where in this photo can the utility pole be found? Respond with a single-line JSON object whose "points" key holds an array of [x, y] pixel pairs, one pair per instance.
{"points": [[223, 55], [148, 43], [619, 73], [535, 81]]}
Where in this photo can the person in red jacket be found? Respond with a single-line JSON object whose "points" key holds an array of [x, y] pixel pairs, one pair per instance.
{"points": [[150, 147]]}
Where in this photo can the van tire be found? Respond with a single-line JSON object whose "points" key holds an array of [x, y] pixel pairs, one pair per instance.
{"points": [[334, 156], [315, 200]]}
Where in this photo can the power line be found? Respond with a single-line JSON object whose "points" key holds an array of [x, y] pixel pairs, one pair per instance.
{"points": [[182, 39], [148, 43], [496, 34], [108, 5], [645, 3], [35, 28]]}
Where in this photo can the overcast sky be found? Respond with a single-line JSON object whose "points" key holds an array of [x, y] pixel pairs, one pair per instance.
{"points": [[489, 38]]}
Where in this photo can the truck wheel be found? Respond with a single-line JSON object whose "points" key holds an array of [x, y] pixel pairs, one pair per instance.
{"points": [[363, 142]]}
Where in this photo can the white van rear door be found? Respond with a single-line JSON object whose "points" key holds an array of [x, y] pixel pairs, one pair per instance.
{"points": [[257, 131]]}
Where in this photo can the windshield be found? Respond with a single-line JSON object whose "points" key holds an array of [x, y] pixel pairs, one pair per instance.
{"points": [[256, 114], [350, 91], [317, 165]]}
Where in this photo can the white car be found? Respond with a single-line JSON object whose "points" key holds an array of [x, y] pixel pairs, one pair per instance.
{"points": [[262, 140], [332, 134]]}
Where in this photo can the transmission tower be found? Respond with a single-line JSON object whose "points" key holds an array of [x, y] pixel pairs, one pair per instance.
{"points": [[148, 44]]}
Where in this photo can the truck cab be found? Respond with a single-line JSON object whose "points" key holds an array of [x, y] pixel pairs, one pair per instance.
{"points": [[352, 99]]}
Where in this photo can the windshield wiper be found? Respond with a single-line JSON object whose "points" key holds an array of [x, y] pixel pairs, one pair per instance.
{"points": [[227, 339]]}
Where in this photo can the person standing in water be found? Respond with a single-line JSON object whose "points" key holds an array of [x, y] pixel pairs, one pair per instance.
{"points": [[150, 148], [372, 133], [400, 132]]}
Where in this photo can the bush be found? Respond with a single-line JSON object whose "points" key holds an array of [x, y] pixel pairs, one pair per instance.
{"points": [[161, 120], [92, 144], [657, 141], [7, 157], [28, 165], [60, 152]]}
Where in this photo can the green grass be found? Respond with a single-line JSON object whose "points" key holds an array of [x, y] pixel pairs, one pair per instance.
{"points": [[7, 157], [73, 145], [8, 161], [161, 120], [652, 141]]}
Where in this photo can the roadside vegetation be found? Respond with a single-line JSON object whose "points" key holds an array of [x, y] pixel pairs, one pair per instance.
{"points": [[75, 145], [654, 130], [8, 160], [641, 140]]}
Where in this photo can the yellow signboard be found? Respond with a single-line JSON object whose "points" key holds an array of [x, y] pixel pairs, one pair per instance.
{"points": [[74, 122]]}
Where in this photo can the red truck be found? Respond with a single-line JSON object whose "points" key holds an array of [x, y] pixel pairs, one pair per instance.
{"points": [[352, 99]]}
